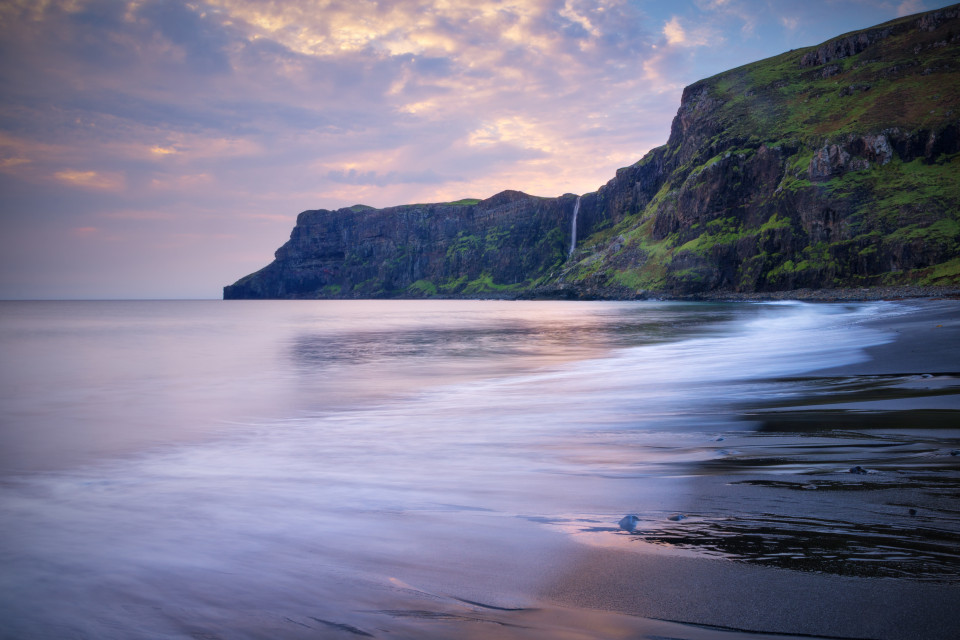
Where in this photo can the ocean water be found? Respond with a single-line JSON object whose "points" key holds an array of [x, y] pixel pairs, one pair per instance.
{"points": [[335, 469]]}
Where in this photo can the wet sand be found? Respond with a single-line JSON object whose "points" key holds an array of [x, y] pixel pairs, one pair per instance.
{"points": [[927, 342], [838, 517], [831, 510]]}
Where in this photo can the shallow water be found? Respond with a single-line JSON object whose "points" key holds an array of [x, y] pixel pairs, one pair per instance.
{"points": [[288, 469]]}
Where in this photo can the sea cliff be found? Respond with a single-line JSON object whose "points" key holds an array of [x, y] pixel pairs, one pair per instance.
{"points": [[835, 166]]}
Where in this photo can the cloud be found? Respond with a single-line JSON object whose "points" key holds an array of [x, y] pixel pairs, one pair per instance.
{"points": [[746, 12], [7, 164], [372, 177], [201, 39], [184, 182], [676, 35], [90, 179], [673, 32], [908, 7], [789, 22], [137, 215]]}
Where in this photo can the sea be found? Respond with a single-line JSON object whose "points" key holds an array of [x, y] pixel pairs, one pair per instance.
{"points": [[274, 469]]}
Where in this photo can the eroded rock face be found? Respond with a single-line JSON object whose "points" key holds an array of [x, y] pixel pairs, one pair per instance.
{"points": [[932, 20], [832, 160], [855, 154], [845, 47], [366, 252]]}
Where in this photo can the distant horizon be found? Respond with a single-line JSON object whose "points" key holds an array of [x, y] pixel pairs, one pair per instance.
{"points": [[161, 150]]}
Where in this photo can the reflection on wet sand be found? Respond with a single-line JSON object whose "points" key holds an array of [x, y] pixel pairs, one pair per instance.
{"points": [[852, 491], [813, 544], [428, 469]]}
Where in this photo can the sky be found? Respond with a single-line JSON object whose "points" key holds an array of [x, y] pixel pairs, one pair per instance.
{"points": [[163, 148]]}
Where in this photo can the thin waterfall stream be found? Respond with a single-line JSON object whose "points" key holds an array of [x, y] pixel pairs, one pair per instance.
{"points": [[573, 228]]}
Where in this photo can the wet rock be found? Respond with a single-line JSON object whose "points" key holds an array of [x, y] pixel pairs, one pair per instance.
{"points": [[858, 470], [913, 512], [629, 523], [677, 517]]}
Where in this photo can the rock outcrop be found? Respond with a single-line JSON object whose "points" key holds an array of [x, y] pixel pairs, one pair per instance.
{"points": [[467, 248], [833, 166]]}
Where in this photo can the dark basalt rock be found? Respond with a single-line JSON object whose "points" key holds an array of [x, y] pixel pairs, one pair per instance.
{"points": [[364, 252]]}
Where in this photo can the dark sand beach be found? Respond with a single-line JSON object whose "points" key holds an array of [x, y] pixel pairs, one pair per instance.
{"points": [[698, 480], [838, 517]]}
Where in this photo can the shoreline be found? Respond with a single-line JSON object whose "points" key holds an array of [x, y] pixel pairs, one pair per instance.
{"points": [[561, 292], [789, 536], [926, 341], [319, 529], [840, 294]]}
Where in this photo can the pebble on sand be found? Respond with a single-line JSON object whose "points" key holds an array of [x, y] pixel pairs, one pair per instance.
{"points": [[629, 523]]}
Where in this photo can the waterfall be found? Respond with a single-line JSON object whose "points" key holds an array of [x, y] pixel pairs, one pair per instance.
{"points": [[573, 228]]}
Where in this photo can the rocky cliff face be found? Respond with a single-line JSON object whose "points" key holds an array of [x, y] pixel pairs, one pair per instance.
{"points": [[837, 165], [473, 248]]}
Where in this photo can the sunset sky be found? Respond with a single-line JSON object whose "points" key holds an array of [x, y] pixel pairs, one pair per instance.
{"points": [[162, 149]]}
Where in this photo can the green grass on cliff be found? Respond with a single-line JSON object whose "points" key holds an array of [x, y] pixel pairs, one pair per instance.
{"points": [[720, 231], [423, 288], [484, 284], [909, 81], [913, 201], [800, 230], [884, 86], [942, 274]]}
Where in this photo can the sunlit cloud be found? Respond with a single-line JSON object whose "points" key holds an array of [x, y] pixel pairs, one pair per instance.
{"points": [[10, 163], [84, 232], [677, 35], [90, 179], [674, 32], [372, 177], [516, 130]]}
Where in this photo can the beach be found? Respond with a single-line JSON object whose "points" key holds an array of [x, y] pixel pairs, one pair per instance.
{"points": [[480, 470], [911, 383]]}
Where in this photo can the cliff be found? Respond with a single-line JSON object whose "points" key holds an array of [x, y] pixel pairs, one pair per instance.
{"points": [[497, 246], [832, 166]]}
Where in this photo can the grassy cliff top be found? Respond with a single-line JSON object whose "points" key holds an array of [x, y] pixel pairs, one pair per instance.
{"points": [[904, 73]]}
